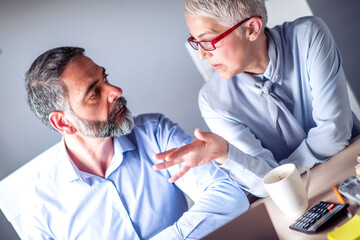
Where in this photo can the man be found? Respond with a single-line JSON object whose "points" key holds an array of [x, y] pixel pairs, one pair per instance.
{"points": [[98, 182], [278, 95]]}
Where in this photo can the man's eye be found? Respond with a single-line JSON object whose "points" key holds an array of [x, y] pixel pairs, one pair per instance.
{"points": [[94, 94]]}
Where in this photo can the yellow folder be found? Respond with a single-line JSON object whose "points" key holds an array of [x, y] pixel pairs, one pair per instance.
{"points": [[348, 231]]}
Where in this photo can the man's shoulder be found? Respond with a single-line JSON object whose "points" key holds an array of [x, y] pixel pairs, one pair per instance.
{"points": [[39, 172], [44, 163], [150, 123], [147, 118], [155, 128]]}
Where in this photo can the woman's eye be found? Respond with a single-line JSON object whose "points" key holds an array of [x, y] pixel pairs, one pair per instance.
{"points": [[105, 78]]}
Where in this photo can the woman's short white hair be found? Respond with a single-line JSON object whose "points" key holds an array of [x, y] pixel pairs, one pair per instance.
{"points": [[227, 12]]}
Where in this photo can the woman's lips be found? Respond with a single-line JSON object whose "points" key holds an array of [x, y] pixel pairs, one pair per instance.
{"points": [[216, 66]]}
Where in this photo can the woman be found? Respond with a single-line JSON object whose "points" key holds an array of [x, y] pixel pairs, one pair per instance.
{"points": [[278, 95]]}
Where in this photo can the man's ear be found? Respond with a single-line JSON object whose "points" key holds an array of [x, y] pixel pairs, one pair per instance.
{"points": [[254, 27], [60, 123]]}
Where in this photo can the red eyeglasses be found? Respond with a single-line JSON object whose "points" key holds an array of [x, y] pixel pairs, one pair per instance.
{"points": [[210, 45]]}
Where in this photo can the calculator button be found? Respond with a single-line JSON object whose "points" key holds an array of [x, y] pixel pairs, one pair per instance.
{"points": [[317, 216], [331, 206]]}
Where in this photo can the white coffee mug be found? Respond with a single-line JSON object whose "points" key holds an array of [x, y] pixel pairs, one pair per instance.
{"points": [[287, 190]]}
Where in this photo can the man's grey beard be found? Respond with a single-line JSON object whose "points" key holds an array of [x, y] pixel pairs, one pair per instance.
{"points": [[122, 125]]}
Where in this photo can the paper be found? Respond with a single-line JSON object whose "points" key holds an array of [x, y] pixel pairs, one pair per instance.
{"points": [[349, 231]]}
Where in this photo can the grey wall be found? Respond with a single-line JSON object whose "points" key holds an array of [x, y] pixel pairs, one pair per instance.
{"points": [[141, 44], [343, 19]]}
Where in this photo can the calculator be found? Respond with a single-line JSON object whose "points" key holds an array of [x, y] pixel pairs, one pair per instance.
{"points": [[314, 219]]}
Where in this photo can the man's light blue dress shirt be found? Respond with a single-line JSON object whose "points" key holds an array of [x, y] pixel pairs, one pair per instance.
{"points": [[306, 65], [133, 201]]}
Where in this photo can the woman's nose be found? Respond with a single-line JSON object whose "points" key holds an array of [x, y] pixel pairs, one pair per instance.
{"points": [[203, 54]]}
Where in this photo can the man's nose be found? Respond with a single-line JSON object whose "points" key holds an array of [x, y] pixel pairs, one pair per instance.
{"points": [[114, 93]]}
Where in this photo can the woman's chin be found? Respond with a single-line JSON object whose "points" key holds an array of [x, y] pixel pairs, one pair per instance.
{"points": [[225, 75]]}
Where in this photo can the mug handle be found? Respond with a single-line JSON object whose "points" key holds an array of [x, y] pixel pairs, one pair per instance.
{"points": [[307, 183]]}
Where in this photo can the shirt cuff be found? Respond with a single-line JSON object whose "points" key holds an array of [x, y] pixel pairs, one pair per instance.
{"points": [[231, 163]]}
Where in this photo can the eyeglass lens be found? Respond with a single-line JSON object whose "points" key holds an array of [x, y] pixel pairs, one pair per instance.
{"points": [[207, 46], [194, 45]]}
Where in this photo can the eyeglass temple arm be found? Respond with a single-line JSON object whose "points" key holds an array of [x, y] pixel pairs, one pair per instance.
{"points": [[221, 36]]}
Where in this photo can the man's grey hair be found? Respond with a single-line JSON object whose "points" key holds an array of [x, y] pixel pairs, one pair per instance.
{"points": [[45, 91], [227, 12]]}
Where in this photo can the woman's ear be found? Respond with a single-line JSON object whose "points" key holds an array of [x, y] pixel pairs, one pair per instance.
{"points": [[254, 28], [60, 123]]}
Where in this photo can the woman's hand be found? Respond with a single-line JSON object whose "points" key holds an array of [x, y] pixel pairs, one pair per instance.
{"points": [[205, 148]]}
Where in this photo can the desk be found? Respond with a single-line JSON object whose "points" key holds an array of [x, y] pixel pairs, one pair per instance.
{"points": [[323, 177]]}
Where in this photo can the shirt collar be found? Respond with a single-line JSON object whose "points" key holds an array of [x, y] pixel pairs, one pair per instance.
{"points": [[70, 172], [121, 145], [273, 71]]}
